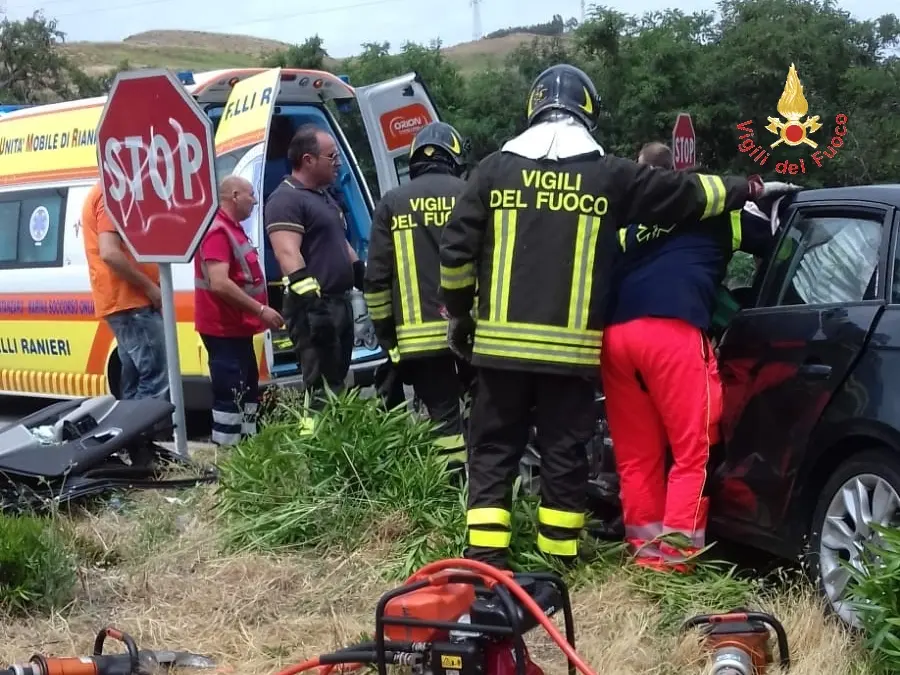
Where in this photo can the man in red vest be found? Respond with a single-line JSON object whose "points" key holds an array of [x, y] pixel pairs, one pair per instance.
{"points": [[230, 307]]}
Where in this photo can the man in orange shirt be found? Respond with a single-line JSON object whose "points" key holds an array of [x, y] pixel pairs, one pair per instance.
{"points": [[126, 295]]}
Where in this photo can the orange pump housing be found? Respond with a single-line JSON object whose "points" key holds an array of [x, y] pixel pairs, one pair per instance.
{"points": [[756, 645], [432, 603]]}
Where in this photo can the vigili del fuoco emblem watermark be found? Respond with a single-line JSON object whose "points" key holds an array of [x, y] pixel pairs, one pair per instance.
{"points": [[794, 130]]}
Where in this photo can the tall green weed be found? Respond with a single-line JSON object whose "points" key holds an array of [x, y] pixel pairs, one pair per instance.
{"points": [[874, 591], [37, 568]]}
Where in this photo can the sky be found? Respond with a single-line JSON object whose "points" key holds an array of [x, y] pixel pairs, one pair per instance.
{"points": [[343, 24]]}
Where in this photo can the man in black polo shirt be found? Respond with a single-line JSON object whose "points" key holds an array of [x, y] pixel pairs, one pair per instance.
{"points": [[309, 238]]}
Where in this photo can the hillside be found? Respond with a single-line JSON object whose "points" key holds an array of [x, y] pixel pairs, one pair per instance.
{"points": [[194, 50]]}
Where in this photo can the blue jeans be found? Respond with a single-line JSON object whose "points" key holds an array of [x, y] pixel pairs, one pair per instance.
{"points": [[142, 352]]}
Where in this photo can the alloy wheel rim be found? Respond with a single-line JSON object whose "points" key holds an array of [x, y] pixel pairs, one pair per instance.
{"points": [[862, 501]]}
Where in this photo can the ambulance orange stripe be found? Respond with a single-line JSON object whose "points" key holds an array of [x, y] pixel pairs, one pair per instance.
{"points": [[248, 138], [43, 176], [184, 306], [103, 340]]}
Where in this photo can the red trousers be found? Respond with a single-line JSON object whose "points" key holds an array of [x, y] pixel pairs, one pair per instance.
{"points": [[662, 388]]}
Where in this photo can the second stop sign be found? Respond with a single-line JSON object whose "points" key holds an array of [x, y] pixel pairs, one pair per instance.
{"points": [[157, 164]]}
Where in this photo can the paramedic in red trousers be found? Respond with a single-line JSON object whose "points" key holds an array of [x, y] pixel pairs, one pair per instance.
{"points": [[660, 374], [230, 308]]}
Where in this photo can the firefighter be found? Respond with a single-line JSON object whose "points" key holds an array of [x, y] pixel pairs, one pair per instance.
{"points": [[536, 230], [660, 374], [403, 275]]}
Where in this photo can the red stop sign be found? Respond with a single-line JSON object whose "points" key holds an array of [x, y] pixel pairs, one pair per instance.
{"points": [[157, 165], [684, 142]]}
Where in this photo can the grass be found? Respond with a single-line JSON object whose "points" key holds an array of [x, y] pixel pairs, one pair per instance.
{"points": [[154, 565], [151, 564], [198, 51]]}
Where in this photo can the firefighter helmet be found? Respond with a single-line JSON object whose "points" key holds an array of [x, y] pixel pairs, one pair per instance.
{"points": [[441, 138], [567, 89]]}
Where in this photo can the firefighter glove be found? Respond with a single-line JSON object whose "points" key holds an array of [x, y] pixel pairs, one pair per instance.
{"points": [[760, 189], [359, 274], [302, 284], [460, 333]]}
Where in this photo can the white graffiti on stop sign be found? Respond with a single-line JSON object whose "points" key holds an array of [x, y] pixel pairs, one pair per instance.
{"points": [[155, 160]]}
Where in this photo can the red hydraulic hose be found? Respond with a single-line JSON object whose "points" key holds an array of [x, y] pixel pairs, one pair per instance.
{"points": [[439, 573], [498, 577]]}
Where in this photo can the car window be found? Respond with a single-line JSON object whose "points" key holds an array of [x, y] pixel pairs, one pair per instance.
{"points": [[826, 260]]}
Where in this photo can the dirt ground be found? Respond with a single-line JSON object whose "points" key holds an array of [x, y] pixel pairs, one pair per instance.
{"points": [[156, 573]]}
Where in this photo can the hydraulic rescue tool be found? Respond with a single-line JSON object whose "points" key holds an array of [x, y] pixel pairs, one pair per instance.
{"points": [[132, 662], [740, 641], [460, 617]]}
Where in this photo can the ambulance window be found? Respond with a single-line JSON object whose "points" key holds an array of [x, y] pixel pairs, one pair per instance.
{"points": [[9, 231], [31, 228]]}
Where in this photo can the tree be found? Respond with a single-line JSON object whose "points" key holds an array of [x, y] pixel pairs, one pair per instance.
{"points": [[311, 54], [32, 67], [723, 69]]}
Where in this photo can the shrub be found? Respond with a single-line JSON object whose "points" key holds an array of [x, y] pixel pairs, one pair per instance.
{"points": [[875, 593], [37, 570], [363, 471], [364, 474]]}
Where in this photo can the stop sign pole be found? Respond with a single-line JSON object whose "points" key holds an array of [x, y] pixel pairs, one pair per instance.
{"points": [[157, 166], [684, 142]]}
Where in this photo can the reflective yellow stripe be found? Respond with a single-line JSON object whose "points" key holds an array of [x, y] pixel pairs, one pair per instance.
{"points": [[380, 312], [736, 233], [566, 547], [305, 286], [378, 297], [714, 194], [379, 304], [523, 350], [622, 234], [456, 457], [583, 270], [455, 278], [418, 345], [540, 333], [424, 329], [407, 276], [488, 515], [570, 520], [501, 268], [452, 442], [485, 539]]}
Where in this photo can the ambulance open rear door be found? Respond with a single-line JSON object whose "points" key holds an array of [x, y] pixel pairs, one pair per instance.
{"points": [[393, 112]]}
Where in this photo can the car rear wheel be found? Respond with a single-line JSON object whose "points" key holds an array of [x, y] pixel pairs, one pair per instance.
{"points": [[863, 491]]}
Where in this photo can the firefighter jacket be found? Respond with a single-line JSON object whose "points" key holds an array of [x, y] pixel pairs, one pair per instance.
{"points": [[539, 238], [403, 267]]}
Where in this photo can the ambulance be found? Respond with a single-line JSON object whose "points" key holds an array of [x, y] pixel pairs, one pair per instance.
{"points": [[51, 344]]}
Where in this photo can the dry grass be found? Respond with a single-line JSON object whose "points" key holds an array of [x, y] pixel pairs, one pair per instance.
{"points": [[155, 572], [197, 50]]}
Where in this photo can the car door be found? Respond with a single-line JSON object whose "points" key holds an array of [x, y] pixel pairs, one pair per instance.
{"points": [[783, 359], [393, 112], [246, 118]]}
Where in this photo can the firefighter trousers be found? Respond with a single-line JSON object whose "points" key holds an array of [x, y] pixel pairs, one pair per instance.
{"points": [[234, 374], [564, 413], [436, 381], [662, 388]]}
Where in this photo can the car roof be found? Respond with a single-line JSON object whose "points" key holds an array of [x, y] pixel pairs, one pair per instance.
{"points": [[886, 194]]}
